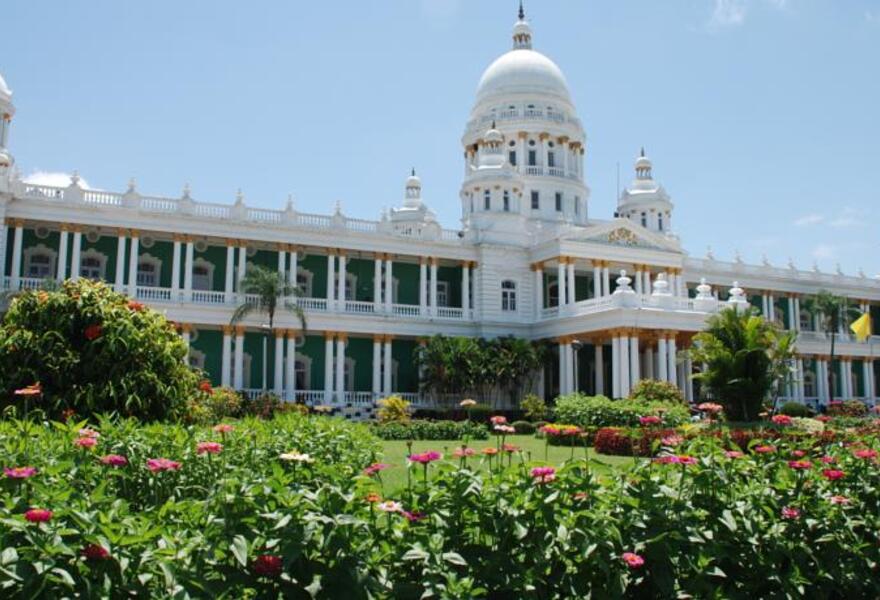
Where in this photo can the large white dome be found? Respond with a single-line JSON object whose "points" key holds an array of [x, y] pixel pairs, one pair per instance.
{"points": [[522, 71]]}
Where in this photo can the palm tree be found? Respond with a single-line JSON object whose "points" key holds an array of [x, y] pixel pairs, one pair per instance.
{"points": [[832, 309], [272, 292]]}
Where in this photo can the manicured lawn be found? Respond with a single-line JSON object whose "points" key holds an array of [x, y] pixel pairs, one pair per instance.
{"points": [[395, 453]]}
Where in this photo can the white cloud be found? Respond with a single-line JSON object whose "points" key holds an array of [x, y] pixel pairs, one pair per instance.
{"points": [[824, 251], [55, 179], [728, 13], [810, 219], [850, 217]]}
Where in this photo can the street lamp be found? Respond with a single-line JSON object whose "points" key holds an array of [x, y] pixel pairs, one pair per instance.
{"points": [[576, 345]]}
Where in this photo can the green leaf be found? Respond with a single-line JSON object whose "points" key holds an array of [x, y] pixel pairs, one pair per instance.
{"points": [[8, 556], [416, 554], [727, 519], [239, 550], [454, 558]]}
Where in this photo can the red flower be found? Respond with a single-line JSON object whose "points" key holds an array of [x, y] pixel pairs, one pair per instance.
{"points": [[733, 454], [683, 459], [93, 332], [38, 515], [789, 512], [224, 428], [162, 464], [781, 419], [374, 468], [828, 460], [267, 565], [543, 474], [800, 465], [209, 447], [20, 472], [764, 449], [414, 516], [85, 442], [425, 457], [823, 418], [95, 552], [114, 460], [650, 420], [833, 474], [135, 306], [798, 453], [866, 454], [205, 386], [632, 560]]}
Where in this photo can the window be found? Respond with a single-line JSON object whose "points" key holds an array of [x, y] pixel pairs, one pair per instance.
{"points": [[809, 383], [92, 264], [644, 219], [553, 294], [536, 200], [472, 203], [533, 158], [148, 271], [506, 201], [442, 293], [551, 159], [39, 262], [577, 205], [347, 374], [203, 275], [508, 295], [303, 374], [660, 221], [487, 200], [558, 201], [304, 282], [511, 157]]}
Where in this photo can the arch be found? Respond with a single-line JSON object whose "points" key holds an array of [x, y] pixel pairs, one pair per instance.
{"points": [[304, 279], [39, 262], [92, 264], [149, 270], [203, 274]]}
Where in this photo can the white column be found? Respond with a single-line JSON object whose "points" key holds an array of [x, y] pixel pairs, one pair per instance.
{"points": [[17, 242], [340, 368], [649, 363], [662, 360], [76, 255], [282, 260], [238, 374], [434, 287], [389, 286], [599, 360], [790, 323], [563, 369], [225, 366], [606, 281], [466, 289], [821, 381], [615, 367], [290, 367], [624, 366], [671, 356], [175, 269], [561, 282], [771, 307], [278, 375], [377, 366], [229, 287], [570, 288], [188, 272], [679, 285], [638, 279], [342, 283], [797, 313], [799, 373], [521, 152], [119, 281], [539, 289], [764, 306], [386, 373], [423, 287], [328, 367], [61, 268], [844, 379], [331, 281], [377, 284], [597, 279], [132, 262], [688, 380], [647, 284], [242, 264], [868, 377], [293, 271], [634, 366]]}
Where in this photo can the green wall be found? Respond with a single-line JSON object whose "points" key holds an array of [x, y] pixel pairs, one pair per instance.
{"points": [[211, 343]]}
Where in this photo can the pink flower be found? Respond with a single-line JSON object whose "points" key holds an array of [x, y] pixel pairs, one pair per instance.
{"points": [[632, 560], [498, 420], [114, 460], [839, 500], [781, 419], [510, 448], [413, 517], [157, 465], [764, 449], [223, 428], [504, 429], [672, 440], [390, 506], [463, 452], [866, 454], [650, 420], [95, 552], [789, 512], [30, 390], [425, 457], [543, 474], [209, 447], [710, 407], [374, 468], [38, 515], [798, 453], [20, 472], [86, 432], [669, 459], [85, 442], [833, 474], [733, 454], [828, 460], [684, 459], [490, 451], [267, 565], [800, 465]]}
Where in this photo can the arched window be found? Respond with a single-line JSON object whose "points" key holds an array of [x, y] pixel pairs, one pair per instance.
{"points": [[149, 269], [203, 275], [644, 219], [806, 321], [551, 159], [304, 282], [303, 368], [508, 295], [660, 221], [810, 384], [487, 200], [92, 264], [506, 201], [39, 262]]}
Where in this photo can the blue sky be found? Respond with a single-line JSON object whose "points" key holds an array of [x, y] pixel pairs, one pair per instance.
{"points": [[761, 116]]}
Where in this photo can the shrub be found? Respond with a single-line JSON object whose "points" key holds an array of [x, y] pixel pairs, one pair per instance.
{"points": [[393, 409], [807, 424], [599, 411], [534, 407], [795, 409], [93, 351], [848, 408], [651, 390], [430, 430], [620, 441], [525, 427], [263, 406], [213, 406]]}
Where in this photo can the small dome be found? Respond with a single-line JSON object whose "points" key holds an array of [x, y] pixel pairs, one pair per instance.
{"points": [[493, 135], [522, 71], [413, 180]]}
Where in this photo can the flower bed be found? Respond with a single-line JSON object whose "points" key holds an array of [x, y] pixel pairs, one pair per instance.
{"points": [[431, 430]]}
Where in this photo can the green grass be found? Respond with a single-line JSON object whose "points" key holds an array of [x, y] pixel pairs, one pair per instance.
{"points": [[394, 453]]}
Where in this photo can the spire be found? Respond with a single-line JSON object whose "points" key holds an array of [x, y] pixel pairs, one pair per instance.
{"points": [[522, 33], [413, 172], [643, 152], [522, 13]]}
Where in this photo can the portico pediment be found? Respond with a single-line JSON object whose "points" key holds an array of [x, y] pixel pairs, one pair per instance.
{"points": [[624, 233]]}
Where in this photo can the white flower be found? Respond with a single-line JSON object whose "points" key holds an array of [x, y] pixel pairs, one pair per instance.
{"points": [[295, 456], [467, 402], [390, 506]]}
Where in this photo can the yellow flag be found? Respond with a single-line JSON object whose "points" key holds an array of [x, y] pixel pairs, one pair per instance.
{"points": [[862, 327]]}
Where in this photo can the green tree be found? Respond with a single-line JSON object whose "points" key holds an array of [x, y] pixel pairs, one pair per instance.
{"points": [[745, 358], [832, 310]]}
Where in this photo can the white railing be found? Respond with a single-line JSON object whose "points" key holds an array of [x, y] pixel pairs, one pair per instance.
{"points": [[316, 304], [208, 297], [555, 172], [309, 397], [359, 307], [154, 294], [450, 312], [406, 310], [534, 170]]}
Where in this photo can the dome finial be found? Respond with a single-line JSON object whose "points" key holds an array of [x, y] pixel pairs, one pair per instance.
{"points": [[522, 13], [643, 152], [413, 172], [522, 33]]}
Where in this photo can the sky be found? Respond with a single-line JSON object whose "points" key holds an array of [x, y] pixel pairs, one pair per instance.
{"points": [[761, 116]]}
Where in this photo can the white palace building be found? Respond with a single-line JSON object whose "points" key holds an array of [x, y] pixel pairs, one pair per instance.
{"points": [[620, 298]]}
